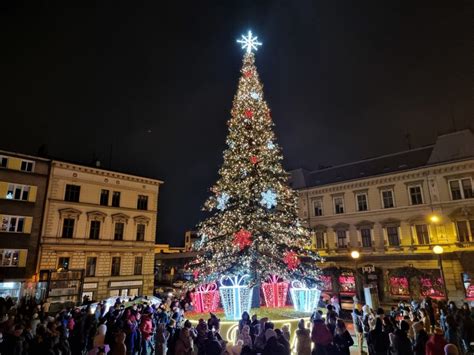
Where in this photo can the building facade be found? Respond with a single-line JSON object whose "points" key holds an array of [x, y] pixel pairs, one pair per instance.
{"points": [[23, 182], [393, 210], [99, 233]]}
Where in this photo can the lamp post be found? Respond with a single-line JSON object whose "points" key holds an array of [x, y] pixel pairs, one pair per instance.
{"points": [[355, 255], [438, 250]]}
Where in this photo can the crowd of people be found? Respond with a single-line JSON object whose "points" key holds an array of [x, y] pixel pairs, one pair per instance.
{"points": [[129, 327]]}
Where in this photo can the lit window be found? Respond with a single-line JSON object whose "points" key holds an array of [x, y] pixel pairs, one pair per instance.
{"points": [[12, 224], [17, 192], [338, 205], [416, 195], [362, 204], [63, 263], [9, 258], [387, 199]]}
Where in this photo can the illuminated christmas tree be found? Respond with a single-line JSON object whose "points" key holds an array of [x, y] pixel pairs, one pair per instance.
{"points": [[253, 227]]}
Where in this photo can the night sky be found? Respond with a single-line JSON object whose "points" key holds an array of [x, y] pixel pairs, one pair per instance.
{"points": [[147, 87]]}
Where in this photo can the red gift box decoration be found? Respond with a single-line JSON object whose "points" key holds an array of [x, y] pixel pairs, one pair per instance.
{"points": [[206, 298], [275, 291]]}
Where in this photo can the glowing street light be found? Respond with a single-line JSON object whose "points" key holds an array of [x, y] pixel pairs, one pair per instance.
{"points": [[434, 218], [438, 250], [355, 254]]}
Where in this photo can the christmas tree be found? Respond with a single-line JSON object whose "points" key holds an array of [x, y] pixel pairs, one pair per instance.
{"points": [[253, 226]]}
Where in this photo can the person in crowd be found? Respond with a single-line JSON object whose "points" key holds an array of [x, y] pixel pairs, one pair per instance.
{"points": [[254, 327], [245, 320], [336, 305], [424, 317], [442, 319], [377, 340], [342, 339], [436, 343], [451, 349], [420, 339], [321, 335], [272, 345], [452, 332], [321, 302], [282, 340], [184, 344], [303, 339], [358, 327], [401, 344], [246, 337], [212, 345], [286, 332]]}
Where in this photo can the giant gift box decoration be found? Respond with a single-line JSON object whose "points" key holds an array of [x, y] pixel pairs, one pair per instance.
{"points": [[206, 298], [275, 291], [304, 299], [236, 296]]}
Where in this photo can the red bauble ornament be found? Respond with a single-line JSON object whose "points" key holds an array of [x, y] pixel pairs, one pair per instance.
{"points": [[254, 159], [291, 260], [196, 274], [243, 238], [248, 73], [248, 113]]}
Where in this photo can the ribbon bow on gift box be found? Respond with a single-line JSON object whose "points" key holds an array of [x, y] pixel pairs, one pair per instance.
{"points": [[212, 286]]}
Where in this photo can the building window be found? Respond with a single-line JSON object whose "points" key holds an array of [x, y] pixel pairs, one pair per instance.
{"points": [[118, 234], [3, 162], [12, 224], [341, 238], [387, 199], [68, 227], [318, 207], [95, 230], [137, 269], [18, 192], [116, 199], [320, 242], [416, 195], [142, 203], [72, 193], [366, 237], [140, 232], [90, 266], [461, 188], [362, 204], [26, 165], [104, 197], [465, 230], [393, 237], [63, 263], [422, 234], [115, 266], [338, 205], [9, 258]]}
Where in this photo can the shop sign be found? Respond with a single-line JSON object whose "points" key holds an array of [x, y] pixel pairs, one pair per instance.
{"points": [[368, 269], [125, 283], [89, 286]]}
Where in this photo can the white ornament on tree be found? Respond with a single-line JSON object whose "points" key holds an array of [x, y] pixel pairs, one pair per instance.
{"points": [[269, 199], [270, 145], [254, 95], [222, 200]]}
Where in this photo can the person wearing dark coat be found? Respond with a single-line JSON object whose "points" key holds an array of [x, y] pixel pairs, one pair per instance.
{"points": [[342, 340], [272, 346], [401, 344], [321, 336], [244, 321], [212, 345], [378, 341], [283, 341], [420, 340]]}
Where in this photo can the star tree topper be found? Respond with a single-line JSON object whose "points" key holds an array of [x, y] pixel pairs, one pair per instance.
{"points": [[249, 43]]}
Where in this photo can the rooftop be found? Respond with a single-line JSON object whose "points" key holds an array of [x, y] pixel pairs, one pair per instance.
{"points": [[448, 147]]}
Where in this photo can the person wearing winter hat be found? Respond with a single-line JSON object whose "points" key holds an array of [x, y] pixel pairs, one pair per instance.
{"points": [[272, 346]]}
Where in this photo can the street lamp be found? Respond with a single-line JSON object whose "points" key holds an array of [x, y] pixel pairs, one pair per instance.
{"points": [[355, 255], [434, 219], [438, 250]]}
